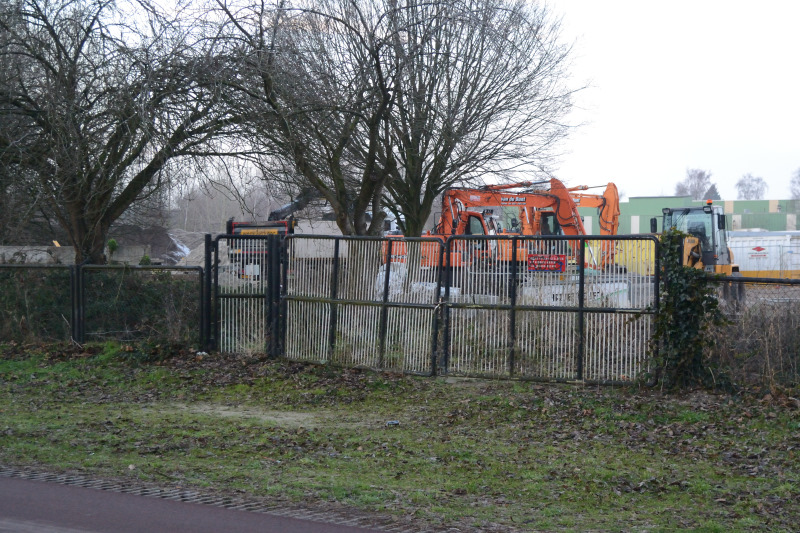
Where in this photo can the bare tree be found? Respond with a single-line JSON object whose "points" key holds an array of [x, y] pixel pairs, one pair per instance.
{"points": [[206, 204], [696, 183], [795, 185], [751, 187], [17, 199], [482, 90], [316, 90], [110, 94]]}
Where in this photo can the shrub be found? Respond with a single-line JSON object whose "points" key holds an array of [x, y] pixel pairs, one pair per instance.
{"points": [[688, 308]]}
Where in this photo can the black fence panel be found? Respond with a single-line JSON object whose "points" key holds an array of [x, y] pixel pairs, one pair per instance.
{"points": [[157, 304], [551, 308], [93, 303], [760, 344], [35, 303], [362, 301], [474, 306], [246, 276]]}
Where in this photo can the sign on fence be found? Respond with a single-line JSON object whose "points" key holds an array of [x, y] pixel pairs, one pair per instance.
{"points": [[547, 263]]}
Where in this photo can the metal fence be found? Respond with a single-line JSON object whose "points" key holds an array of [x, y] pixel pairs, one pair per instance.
{"points": [[476, 306], [353, 301], [36, 303], [760, 342], [244, 274], [526, 307], [94, 303]]}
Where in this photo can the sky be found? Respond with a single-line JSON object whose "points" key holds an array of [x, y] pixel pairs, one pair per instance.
{"points": [[705, 84]]}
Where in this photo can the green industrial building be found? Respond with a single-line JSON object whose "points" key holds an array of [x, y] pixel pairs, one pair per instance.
{"points": [[636, 212]]}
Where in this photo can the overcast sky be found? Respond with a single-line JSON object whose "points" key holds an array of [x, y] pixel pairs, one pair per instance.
{"points": [[706, 84]]}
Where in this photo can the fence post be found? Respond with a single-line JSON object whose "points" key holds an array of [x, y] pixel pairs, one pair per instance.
{"points": [[383, 326], [512, 293], [284, 290], [438, 312], [273, 294], [448, 277], [208, 304], [581, 294], [334, 296]]}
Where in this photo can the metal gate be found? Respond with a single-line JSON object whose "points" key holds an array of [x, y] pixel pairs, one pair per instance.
{"points": [[554, 308], [244, 291], [353, 302]]}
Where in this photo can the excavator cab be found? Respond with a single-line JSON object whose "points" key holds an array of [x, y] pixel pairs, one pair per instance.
{"points": [[474, 225], [549, 224]]}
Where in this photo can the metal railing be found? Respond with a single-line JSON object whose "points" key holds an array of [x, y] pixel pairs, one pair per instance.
{"points": [[760, 343], [354, 301], [510, 306], [94, 303], [488, 306]]}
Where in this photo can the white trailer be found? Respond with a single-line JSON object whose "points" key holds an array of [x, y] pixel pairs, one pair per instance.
{"points": [[766, 254]]}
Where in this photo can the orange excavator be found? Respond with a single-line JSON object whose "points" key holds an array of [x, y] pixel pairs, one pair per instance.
{"points": [[539, 209], [607, 205], [469, 211], [553, 211]]}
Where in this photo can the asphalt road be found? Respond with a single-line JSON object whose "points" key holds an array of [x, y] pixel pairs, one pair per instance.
{"points": [[39, 507]]}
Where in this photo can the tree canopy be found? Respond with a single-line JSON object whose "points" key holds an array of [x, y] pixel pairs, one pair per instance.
{"points": [[695, 184], [373, 104], [384, 104], [751, 187], [482, 90], [98, 99]]}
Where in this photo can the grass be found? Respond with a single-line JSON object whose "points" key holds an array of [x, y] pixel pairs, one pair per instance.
{"points": [[473, 454]]}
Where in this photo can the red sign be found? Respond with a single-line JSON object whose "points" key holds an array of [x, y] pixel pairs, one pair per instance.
{"points": [[759, 249], [547, 263]]}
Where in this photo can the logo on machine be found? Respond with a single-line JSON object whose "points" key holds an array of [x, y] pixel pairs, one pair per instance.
{"points": [[512, 199], [759, 249]]}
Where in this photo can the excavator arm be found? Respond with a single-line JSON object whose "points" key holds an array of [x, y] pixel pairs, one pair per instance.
{"points": [[607, 206], [557, 199]]}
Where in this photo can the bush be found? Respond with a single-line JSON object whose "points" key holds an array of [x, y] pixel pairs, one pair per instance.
{"points": [[688, 308], [35, 304], [128, 304]]}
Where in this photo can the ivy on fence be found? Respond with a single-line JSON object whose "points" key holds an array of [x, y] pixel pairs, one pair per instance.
{"points": [[688, 308]]}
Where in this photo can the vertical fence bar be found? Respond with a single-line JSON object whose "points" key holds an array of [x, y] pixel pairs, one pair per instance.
{"points": [[512, 294], [581, 293], [334, 296], [384, 308], [438, 318]]}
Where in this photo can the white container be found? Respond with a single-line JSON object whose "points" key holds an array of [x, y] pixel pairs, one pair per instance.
{"points": [[766, 254]]}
